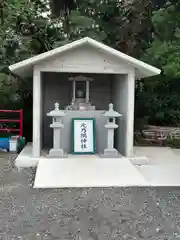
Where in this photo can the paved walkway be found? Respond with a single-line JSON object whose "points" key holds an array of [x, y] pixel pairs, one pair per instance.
{"points": [[159, 155], [164, 168], [87, 171], [91, 171]]}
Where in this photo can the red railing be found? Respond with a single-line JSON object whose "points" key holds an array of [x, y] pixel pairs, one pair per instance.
{"points": [[20, 121]]}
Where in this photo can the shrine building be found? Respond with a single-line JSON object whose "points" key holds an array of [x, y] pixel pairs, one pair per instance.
{"points": [[84, 79]]}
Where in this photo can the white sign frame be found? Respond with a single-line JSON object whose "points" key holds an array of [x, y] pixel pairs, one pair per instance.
{"points": [[83, 136]]}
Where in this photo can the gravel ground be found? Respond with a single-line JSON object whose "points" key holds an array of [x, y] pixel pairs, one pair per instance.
{"points": [[84, 214]]}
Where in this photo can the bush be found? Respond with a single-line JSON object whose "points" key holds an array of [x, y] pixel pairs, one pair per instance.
{"points": [[141, 123], [173, 143]]}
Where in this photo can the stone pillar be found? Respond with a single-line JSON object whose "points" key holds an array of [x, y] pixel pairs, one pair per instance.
{"points": [[87, 91], [74, 90], [130, 114], [110, 151], [37, 108], [56, 115]]}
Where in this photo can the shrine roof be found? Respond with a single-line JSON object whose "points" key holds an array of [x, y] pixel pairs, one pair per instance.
{"points": [[25, 68]]}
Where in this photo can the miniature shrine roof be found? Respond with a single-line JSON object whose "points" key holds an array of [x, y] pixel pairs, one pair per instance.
{"points": [[25, 68]]}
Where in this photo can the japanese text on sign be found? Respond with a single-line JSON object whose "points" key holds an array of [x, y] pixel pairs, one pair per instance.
{"points": [[83, 136]]}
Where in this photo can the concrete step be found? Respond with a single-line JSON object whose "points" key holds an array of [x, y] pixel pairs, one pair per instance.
{"points": [[158, 155], [164, 175], [87, 172]]}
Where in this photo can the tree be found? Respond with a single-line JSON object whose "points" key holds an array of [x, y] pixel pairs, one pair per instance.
{"points": [[159, 98], [124, 25], [24, 32], [32, 27], [165, 47]]}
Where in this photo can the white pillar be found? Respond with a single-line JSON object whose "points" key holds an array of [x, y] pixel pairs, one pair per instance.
{"points": [[36, 113], [57, 137], [74, 90], [87, 91], [130, 113], [110, 144]]}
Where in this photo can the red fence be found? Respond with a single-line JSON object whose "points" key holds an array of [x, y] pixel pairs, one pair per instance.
{"points": [[6, 121]]}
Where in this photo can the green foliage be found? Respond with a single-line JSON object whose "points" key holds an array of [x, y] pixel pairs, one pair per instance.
{"points": [[159, 98], [173, 143], [32, 27], [141, 123], [8, 89], [165, 48]]}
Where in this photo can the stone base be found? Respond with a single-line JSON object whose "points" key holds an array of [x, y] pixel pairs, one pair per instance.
{"points": [[110, 153], [140, 160], [57, 153]]}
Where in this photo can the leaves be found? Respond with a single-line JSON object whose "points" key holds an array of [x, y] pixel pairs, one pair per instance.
{"points": [[164, 50], [32, 27], [161, 96]]}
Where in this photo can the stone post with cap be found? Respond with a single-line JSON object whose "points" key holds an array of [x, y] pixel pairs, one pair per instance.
{"points": [[57, 116], [111, 125]]}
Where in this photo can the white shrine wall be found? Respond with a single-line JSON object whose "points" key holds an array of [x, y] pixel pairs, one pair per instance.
{"points": [[37, 112], [119, 94], [123, 98]]}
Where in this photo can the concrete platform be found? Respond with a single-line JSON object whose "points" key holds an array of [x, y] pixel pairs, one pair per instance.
{"points": [[87, 171], [158, 155], [161, 176], [92, 171], [25, 159]]}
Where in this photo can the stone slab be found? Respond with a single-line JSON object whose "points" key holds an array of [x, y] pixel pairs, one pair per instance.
{"points": [[158, 155], [87, 171], [25, 159], [115, 170], [140, 160], [110, 153], [166, 175], [57, 153]]}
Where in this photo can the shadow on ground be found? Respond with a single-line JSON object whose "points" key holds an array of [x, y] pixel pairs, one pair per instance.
{"points": [[91, 213]]}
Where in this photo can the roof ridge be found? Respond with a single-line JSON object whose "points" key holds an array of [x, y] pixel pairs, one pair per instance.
{"points": [[30, 62]]}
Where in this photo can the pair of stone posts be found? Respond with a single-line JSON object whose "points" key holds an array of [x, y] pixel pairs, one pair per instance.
{"points": [[110, 151], [57, 125]]}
